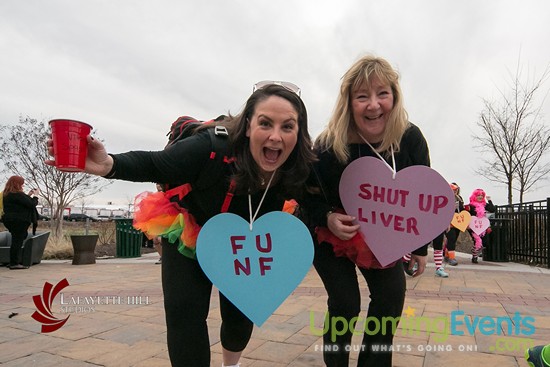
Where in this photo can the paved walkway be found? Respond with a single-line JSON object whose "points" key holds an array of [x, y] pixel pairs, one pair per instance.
{"points": [[130, 330]]}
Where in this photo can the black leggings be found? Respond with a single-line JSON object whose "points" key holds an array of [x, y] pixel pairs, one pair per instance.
{"points": [[18, 230], [452, 237], [186, 303], [387, 294], [437, 242]]}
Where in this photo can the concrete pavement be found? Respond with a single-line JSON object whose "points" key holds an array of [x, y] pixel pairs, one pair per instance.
{"points": [[128, 327]]}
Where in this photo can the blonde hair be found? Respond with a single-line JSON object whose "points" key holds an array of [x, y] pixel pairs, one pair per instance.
{"points": [[341, 125]]}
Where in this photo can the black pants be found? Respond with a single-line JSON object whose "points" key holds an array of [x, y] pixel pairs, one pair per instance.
{"points": [[387, 294], [437, 242], [186, 303], [18, 230], [452, 237]]}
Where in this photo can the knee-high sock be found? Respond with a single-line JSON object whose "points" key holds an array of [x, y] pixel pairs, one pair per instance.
{"points": [[438, 258]]}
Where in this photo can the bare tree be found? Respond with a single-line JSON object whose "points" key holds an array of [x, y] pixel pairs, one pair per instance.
{"points": [[23, 152], [531, 169], [130, 202], [514, 135], [83, 204]]}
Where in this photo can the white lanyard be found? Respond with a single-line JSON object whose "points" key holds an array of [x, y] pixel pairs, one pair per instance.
{"points": [[394, 171], [253, 218]]}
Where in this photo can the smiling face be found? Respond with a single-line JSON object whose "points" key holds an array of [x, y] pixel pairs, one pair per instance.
{"points": [[273, 133], [371, 107], [477, 196]]}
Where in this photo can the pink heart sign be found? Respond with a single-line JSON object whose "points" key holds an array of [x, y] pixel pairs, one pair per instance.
{"points": [[396, 215], [479, 225]]}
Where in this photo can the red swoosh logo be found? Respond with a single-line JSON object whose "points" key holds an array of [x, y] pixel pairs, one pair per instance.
{"points": [[44, 307]]}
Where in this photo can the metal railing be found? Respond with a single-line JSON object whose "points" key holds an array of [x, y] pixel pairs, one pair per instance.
{"points": [[527, 227]]}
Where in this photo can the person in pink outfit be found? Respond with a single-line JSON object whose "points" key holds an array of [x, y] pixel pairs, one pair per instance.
{"points": [[479, 206]]}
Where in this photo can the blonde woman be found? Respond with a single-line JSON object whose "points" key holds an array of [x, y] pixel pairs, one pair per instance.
{"points": [[369, 120]]}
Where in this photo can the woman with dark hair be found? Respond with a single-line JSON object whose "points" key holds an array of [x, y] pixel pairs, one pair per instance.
{"points": [[270, 151], [19, 209]]}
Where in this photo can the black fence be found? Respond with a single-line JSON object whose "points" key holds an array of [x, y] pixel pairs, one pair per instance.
{"points": [[524, 231]]}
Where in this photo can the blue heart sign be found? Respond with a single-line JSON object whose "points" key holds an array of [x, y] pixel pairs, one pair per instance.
{"points": [[256, 269]]}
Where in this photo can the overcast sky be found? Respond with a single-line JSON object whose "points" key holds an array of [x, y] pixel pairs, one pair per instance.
{"points": [[131, 67]]}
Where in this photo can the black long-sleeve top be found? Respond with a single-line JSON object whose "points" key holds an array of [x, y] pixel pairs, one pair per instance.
{"points": [[328, 170], [19, 206], [184, 162], [459, 204]]}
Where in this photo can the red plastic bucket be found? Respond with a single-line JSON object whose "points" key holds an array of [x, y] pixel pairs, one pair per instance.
{"points": [[70, 146]]}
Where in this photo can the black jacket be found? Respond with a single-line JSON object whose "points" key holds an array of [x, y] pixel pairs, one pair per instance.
{"points": [[19, 206], [325, 177], [185, 162]]}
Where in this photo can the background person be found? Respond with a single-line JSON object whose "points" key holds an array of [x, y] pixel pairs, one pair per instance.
{"points": [[369, 120], [479, 207], [35, 215], [453, 232], [437, 244], [271, 146], [19, 210]]}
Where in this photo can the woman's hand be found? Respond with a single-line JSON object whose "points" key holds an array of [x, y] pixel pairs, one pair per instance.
{"points": [[420, 262], [98, 162], [341, 225]]}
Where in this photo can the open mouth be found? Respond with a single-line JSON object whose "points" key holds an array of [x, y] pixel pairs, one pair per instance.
{"points": [[271, 155], [374, 117]]}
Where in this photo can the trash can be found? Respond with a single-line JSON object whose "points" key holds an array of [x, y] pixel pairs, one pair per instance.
{"points": [[128, 239], [498, 241]]}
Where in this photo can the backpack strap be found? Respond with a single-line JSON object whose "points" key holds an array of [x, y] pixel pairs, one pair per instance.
{"points": [[228, 196], [215, 168]]}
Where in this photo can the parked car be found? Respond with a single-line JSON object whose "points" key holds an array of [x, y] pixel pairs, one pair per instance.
{"points": [[43, 217], [74, 217]]}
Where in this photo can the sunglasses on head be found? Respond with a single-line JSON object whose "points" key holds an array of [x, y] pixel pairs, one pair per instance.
{"points": [[287, 85]]}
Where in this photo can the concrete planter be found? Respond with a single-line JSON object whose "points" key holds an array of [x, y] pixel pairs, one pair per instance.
{"points": [[84, 248]]}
